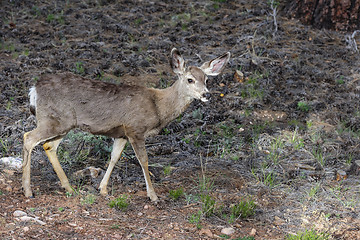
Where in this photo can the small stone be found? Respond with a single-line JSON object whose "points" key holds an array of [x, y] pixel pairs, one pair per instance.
{"points": [[10, 226], [140, 214], [207, 232], [341, 175], [30, 219], [19, 213], [72, 224], [39, 221], [146, 207], [26, 219], [239, 76], [253, 232], [278, 221], [228, 231], [9, 172], [8, 188], [26, 229]]}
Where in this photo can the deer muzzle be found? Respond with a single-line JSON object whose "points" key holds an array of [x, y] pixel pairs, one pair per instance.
{"points": [[205, 97]]}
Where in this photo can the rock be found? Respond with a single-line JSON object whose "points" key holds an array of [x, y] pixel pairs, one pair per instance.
{"points": [[31, 219], [10, 226], [278, 221], [91, 171], [253, 232], [228, 231], [8, 188], [72, 224], [26, 229], [12, 162], [207, 232], [39, 221], [239, 76], [26, 219], [9, 172], [19, 213], [341, 175]]}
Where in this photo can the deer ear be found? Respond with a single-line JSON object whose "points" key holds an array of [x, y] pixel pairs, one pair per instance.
{"points": [[215, 66], [177, 63]]}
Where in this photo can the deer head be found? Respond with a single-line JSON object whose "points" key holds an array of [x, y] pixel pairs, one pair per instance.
{"points": [[193, 79]]}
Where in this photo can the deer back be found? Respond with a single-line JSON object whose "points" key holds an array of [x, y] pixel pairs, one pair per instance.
{"points": [[70, 101]]}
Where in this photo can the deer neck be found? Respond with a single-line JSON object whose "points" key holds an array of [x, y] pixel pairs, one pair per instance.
{"points": [[172, 101]]}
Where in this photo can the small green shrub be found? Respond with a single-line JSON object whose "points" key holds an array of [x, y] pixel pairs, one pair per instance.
{"points": [[50, 18], [303, 106], [245, 238], [267, 178], [165, 131], [314, 191], [167, 170], [79, 68], [120, 203], [115, 226], [309, 235], [88, 200], [196, 218], [208, 205], [176, 194], [340, 80], [244, 209]]}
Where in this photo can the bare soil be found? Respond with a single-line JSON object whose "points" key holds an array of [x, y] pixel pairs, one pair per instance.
{"points": [[278, 131]]}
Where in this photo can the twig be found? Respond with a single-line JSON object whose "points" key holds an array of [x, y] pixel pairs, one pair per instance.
{"points": [[273, 6], [351, 42]]}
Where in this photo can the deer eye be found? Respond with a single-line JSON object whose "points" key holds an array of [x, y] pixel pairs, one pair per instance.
{"points": [[190, 80]]}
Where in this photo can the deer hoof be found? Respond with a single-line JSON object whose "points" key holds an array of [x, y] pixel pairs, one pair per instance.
{"points": [[28, 194], [153, 197], [103, 192]]}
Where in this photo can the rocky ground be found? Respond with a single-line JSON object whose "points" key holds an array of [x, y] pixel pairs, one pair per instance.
{"points": [[281, 130]]}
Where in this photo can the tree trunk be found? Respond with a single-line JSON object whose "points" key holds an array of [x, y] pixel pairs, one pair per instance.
{"points": [[343, 15]]}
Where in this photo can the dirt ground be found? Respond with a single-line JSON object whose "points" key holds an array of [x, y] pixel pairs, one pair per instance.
{"points": [[282, 124]]}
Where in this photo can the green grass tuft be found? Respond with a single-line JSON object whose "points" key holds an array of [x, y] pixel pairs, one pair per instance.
{"points": [[309, 235], [120, 203], [176, 194]]}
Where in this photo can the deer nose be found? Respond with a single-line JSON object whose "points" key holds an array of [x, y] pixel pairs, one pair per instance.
{"points": [[206, 95]]}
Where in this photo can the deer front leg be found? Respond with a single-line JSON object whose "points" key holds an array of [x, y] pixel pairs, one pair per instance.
{"points": [[138, 145], [118, 147], [50, 148]]}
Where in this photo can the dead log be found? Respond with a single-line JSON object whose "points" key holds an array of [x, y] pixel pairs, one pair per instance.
{"points": [[343, 15]]}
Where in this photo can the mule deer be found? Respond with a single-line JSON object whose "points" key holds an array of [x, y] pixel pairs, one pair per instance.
{"points": [[62, 102]]}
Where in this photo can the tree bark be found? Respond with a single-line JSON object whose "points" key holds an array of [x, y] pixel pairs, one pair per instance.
{"points": [[343, 15]]}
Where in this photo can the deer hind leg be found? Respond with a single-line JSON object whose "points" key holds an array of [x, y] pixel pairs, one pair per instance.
{"points": [[50, 148], [31, 139], [118, 147], [29, 144], [140, 152]]}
